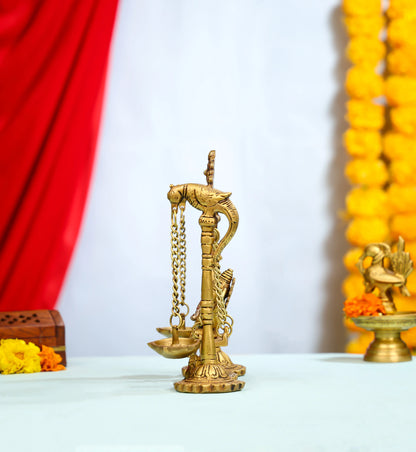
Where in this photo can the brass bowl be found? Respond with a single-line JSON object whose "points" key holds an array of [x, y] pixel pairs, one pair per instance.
{"points": [[387, 346], [182, 332], [185, 347]]}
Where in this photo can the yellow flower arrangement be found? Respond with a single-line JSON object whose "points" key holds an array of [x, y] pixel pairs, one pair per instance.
{"points": [[367, 202], [363, 114], [404, 119], [402, 61], [402, 32], [369, 26], [363, 83], [400, 90], [401, 8], [399, 147], [360, 344], [404, 225], [363, 143], [361, 8], [372, 173], [403, 172], [362, 231], [351, 258], [352, 285], [17, 357], [365, 51], [402, 199]]}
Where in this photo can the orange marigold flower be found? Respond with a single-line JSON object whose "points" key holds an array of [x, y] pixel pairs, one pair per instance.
{"points": [[404, 225], [366, 304], [398, 146], [404, 119], [402, 32], [363, 143], [362, 231], [369, 26], [363, 83], [49, 360], [403, 172], [372, 173], [367, 202], [363, 114], [360, 8], [402, 198], [365, 51], [401, 8], [402, 61]]}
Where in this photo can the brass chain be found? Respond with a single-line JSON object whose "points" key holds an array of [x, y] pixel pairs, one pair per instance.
{"points": [[175, 267], [182, 260]]}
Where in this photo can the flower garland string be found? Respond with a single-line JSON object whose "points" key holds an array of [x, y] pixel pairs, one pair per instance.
{"points": [[400, 141], [367, 205]]}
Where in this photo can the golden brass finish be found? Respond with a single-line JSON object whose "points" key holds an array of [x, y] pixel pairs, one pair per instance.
{"points": [[387, 270], [182, 332], [387, 346], [211, 370]]}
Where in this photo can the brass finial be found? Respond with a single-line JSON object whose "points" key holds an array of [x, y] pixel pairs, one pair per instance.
{"points": [[209, 172]]}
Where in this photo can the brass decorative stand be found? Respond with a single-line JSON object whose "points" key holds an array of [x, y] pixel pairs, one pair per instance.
{"points": [[387, 270], [211, 370]]}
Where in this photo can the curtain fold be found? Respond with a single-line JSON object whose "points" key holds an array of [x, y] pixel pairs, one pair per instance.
{"points": [[53, 64]]}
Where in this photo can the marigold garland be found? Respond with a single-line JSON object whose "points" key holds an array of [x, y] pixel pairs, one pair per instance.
{"points": [[400, 90], [402, 61], [363, 143], [404, 119], [364, 114], [371, 173], [367, 202], [399, 147]]}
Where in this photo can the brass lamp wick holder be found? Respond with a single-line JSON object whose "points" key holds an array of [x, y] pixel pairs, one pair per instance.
{"points": [[209, 369]]}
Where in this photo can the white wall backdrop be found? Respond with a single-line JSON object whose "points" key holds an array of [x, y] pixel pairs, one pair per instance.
{"points": [[260, 82]]}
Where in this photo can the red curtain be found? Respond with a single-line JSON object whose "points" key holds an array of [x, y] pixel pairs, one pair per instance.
{"points": [[53, 62]]}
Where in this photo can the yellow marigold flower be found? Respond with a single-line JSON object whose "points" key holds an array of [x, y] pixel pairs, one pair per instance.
{"points": [[351, 326], [403, 172], [404, 225], [402, 61], [400, 90], [353, 285], [364, 51], [404, 119], [372, 173], [363, 114], [362, 231], [398, 147], [363, 143], [367, 202], [361, 8], [402, 32], [402, 199], [351, 258], [369, 26], [17, 357], [360, 344], [405, 303], [363, 83], [409, 337], [400, 8]]}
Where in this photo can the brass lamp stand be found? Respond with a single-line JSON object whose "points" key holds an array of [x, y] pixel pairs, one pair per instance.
{"points": [[205, 373]]}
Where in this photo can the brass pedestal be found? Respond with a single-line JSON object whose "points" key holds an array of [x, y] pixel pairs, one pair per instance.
{"points": [[387, 346]]}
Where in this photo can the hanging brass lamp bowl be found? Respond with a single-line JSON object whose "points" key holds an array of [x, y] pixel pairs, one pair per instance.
{"points": [[175, 347]]}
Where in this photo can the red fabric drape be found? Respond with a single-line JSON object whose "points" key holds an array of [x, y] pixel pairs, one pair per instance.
{"points": [[53, 62]]}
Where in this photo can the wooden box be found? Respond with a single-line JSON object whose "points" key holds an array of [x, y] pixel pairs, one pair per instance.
{"points": [[41, 327]]}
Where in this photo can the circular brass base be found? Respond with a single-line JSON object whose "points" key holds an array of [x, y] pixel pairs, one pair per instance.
{"points": [[387, 346], [388, 350], [199, 386]]}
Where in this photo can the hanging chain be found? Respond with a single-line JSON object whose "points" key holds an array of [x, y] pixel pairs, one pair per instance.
{"points": [[182, 261], [175, 267]]}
